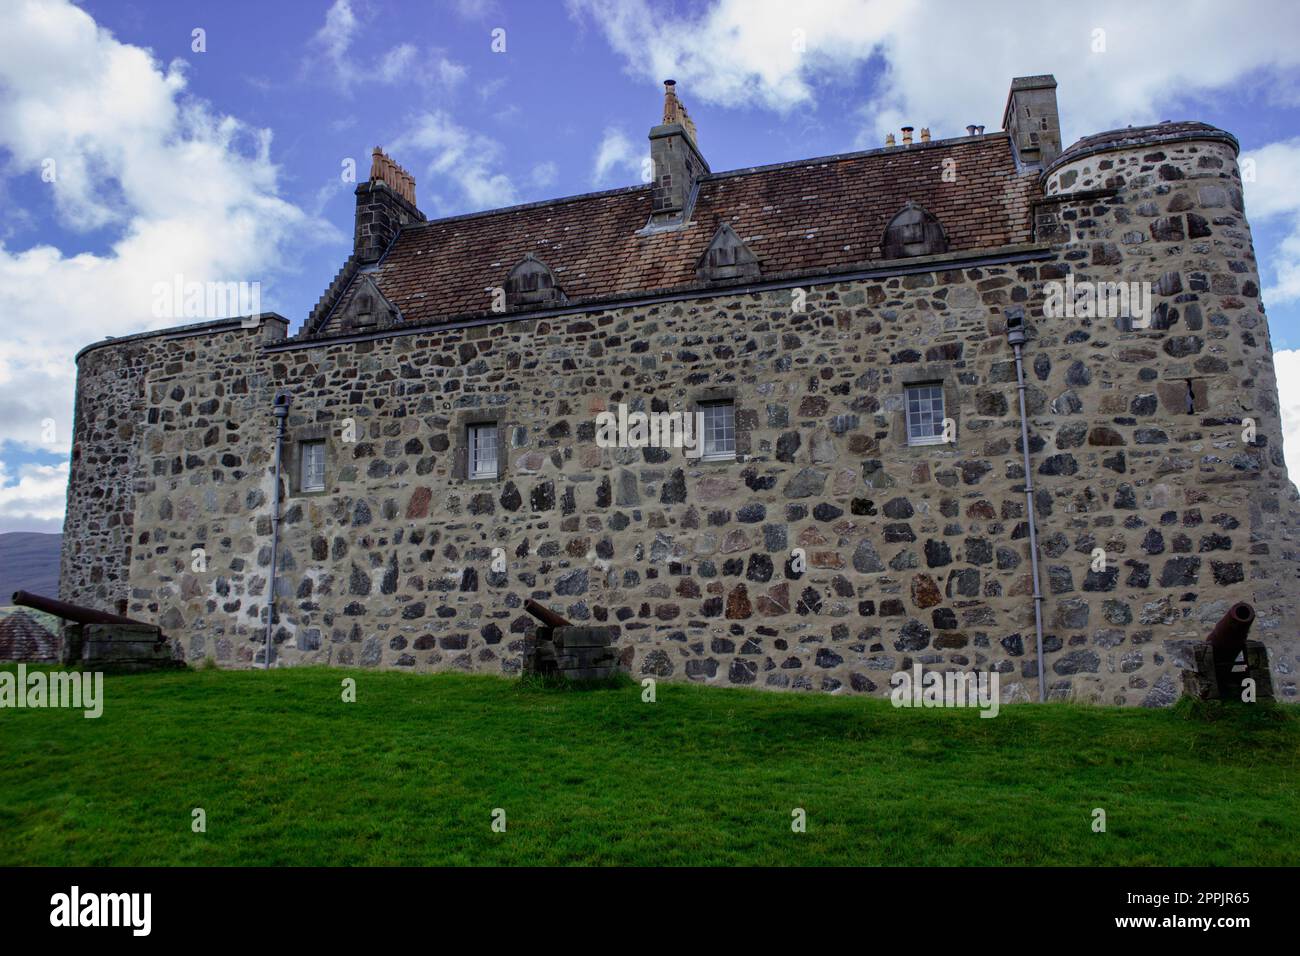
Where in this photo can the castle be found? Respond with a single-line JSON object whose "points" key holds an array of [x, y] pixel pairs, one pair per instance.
{"points": [[845, 330]]}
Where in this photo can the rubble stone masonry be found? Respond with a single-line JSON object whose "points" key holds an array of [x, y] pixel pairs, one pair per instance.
{"points": [[913, 553]]}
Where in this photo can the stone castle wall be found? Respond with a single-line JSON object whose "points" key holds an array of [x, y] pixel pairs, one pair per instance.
{"points": [[914, 553], [117, 415]]}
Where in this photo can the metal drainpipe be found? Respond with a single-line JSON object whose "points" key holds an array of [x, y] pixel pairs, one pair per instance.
{"points": [[281, 412], [1016, 336]]}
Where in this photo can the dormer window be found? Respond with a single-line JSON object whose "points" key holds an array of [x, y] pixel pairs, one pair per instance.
{"points": [[531, 282], [913, 232], [364, 313], [727, 257], [368, 308]]}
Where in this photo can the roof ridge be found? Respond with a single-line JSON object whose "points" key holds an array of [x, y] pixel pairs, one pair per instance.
{"points": [[709, 177]]}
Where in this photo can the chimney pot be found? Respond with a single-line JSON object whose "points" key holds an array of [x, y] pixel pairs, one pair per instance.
{"points": [[372, 234], [925, 134], [970, 130], [907, 135], [979, 130], [889, 139]]}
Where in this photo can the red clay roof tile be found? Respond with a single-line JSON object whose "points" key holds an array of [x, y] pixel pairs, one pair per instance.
{"points": [[810, 216]]}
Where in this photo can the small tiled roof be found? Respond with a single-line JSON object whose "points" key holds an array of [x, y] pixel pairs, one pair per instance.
{"points": [[22, 639], [807, 216]]}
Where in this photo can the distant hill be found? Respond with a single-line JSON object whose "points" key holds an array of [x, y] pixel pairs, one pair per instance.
{"points": [[29, 561]]}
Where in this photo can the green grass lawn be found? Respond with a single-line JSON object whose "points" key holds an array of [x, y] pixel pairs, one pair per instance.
{"points": [[410, 774]]}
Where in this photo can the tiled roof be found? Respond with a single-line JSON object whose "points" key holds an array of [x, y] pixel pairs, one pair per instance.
{"points": [[22, 639], [804, 216]]}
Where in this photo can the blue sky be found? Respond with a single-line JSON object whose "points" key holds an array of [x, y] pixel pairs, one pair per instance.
{"points": [[225, 164]]}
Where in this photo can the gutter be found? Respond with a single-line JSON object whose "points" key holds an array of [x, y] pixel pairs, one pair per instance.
{"points": [[887, 269]]}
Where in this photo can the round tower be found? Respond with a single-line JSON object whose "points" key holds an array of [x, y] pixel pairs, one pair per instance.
{"points": [[1188, 382]]}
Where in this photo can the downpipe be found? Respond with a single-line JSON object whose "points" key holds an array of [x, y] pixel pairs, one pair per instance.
{"points": [[1016, 337], [281, 412]]}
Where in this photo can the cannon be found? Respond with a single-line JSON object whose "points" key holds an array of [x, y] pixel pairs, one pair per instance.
{"points": [[71, 612], [1227, 658], [105, 641], [1229, 636], [561, 648], [545, 614]]}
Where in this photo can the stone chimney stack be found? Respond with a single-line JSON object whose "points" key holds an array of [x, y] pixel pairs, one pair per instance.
{"points": [[677, 164], [384, 204], [1032, 119]]}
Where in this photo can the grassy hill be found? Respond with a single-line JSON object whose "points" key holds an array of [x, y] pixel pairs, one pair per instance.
{"points": [[411, 773], [29, 561]]}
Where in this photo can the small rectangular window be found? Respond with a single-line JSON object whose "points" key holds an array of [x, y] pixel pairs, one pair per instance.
{"points": [[719, 430], [924, 414], [312, 461], [483, 451]]}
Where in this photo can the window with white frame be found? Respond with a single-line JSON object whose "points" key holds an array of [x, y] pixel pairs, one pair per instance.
{"points": [[311, 457], [719, 430], [925, 414], [483, 450]]}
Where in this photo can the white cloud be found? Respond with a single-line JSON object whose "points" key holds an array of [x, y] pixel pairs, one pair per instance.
{"points": [[457, 155], [335, 37], [474, 9], [742, 52], [181, 189], [492, 87], [949, 64], [543, 175], [32, 499], [1272, 185], [1287, 364], [617, 154], [396, 62], [403, 65]]}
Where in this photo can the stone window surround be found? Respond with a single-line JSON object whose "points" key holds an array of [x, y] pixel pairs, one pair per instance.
{"points": [[292, 464], [460, 443], [723, 393], [939, 373]]}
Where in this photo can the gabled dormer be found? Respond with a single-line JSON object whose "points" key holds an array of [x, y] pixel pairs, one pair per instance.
{"points": [[727, 257], [367, 308], [532, 283], [913, 232]]}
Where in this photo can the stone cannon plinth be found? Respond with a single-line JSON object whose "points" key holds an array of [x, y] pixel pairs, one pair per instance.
{"points": [[568, 650], [1215, 679], [118, 647], [1217, 674]]}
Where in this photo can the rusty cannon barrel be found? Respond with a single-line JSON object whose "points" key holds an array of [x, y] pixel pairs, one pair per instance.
{"points": [[545, 614], [1229, 636], [72, 612]]}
